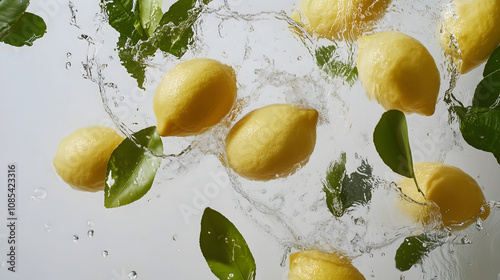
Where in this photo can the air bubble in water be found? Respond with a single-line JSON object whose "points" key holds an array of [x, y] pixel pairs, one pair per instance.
{"points": [[68, 55], [75, 238], [132, 275], [90, 233], [174, 237], [105, 253], [68, 65], [38, 194]]}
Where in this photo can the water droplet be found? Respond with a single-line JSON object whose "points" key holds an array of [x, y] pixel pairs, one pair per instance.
{"points": [[91, 224], [105, 253], [466, 240], [90, 233], [68, 55], [39, 193], [382, 254], [479, 224], [370, 255], [68, 65], [174, 237], [402, 277], [111, 58], [158, 196], [132, 275], [48, 227], [299, 58], [75, 238]]}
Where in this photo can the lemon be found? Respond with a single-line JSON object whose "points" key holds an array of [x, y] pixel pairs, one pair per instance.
{"points": [[340, 19], [82, 157], [457, 195], [194, 96], [475, 25], [271, 141], [399, 72], [314, 264]]}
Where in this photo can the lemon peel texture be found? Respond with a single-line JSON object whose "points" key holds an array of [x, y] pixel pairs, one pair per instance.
{"points": [[399, 72], [271, 141], [473, 25], [314, 264], [452, 195], [82, 157], [342, 19], [194, 96]]}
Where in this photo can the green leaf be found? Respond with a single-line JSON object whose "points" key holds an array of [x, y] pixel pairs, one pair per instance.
{"points": [[392, 144], [150, 15], [342, 191], [133, 55], [488, 91], [327, 60], [25, 30], [480, 128], [123, 16], [497, 156], [413, 250], [132, 169], [224, 248], [493, 63], [176, 26], [332, 186], [10, 12]]}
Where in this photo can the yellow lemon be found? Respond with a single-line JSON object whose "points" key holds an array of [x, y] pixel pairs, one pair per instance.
{"points": [[82, 157], [457, 195], [314, 264], [340, 19], [194, 96], [475, 25], [272, 141], [399, 72]]}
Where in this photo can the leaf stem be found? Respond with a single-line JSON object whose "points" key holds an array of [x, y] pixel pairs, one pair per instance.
{"points": [[418, 187]]}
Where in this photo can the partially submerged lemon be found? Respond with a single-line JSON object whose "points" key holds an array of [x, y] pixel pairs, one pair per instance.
{"points": [[314, 264], [82, 157], [342, 19], [399, 72], [475, 26], [451, 194], [194, 96], [272, 141]]}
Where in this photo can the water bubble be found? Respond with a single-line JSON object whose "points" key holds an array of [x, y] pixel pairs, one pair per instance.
{"points": [[174, 237], [90, 224], [132, 275], [38, 194], [68, 55], [382, 254], [48, 227], [466, 240], [105, 253], [90, 233], [68, 65], [111, 58], [75, 238], [479, 224]]}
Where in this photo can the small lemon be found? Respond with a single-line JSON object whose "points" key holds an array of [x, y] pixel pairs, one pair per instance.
{"points": [[340, 19], [82, 157], [399, 72], [314, 264], [271, 141], [475, 25], [458, 196], [194, 96]]}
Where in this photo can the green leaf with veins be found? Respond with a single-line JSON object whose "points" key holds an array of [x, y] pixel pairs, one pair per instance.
{"points": [[493, 63], [343, 191], [10, 12], [413, 250], [329, 62], [224, 248], [150, 14], [131, 169], [487, 92], [25, 31], [133, 55], [392, 143], [480, 128], [123, 16]]}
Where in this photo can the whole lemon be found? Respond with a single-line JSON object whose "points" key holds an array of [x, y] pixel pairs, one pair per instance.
{"points": [[475, 26], [314, 264], [457, 195], [82, 157], [194, 96], [340, 19], [271, 141], [399, 72]]}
